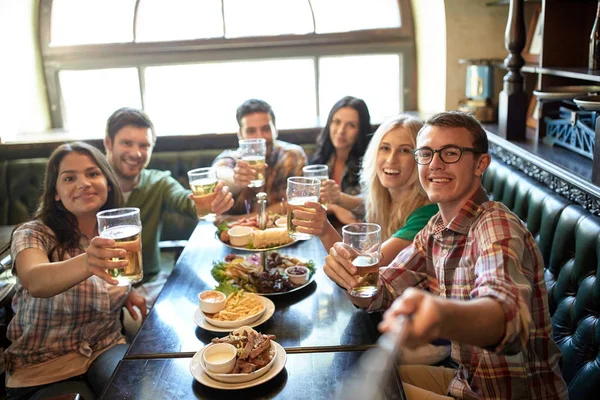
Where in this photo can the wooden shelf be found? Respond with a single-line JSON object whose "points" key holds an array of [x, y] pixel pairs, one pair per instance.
{"points": [[570, 166], [575, 73]]}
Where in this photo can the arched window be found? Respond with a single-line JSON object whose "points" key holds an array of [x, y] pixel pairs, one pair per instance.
{"points": [[190, 63]]}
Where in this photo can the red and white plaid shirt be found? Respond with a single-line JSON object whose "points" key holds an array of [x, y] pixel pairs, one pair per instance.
{"points": [[486, 251]]}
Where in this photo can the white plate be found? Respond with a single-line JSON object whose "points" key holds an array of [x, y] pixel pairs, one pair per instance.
{"points": [[239, 378], [565, 92], [238, 323], [199, 374], [588, 103], [201, 321], [312, 278], [247, 249]]}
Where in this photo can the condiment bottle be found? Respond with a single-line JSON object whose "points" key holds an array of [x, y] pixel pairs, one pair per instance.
{"points": [[261, 200]]}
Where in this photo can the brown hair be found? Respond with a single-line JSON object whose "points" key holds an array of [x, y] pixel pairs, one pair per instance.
{"points": [[128, 116], [458, 119]]}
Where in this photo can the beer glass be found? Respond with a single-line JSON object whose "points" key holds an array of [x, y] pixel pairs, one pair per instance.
{"points": [[363, 241], [203, 182], [124, 226], [254, 151], [319, 171], [299, 191]]}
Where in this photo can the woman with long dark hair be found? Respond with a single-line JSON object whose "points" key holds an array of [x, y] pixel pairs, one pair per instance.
{"points": [[66, 333], [341, 145]]}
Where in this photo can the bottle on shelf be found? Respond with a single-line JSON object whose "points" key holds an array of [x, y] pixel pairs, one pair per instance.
{"points": [[594, 56]]}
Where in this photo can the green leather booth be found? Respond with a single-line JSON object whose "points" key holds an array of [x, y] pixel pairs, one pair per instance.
{"points": [[21, 185], [569, 240]]}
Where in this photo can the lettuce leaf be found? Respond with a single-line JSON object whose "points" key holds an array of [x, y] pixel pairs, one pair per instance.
{"points": [[226, 287], [310, 264], [218, 271], [222, 227]]}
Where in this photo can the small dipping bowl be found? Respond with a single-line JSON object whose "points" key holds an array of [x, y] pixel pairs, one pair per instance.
{"points": [[297, 274], [219, 358], [240, 235], [211, 301], [281, 222]]}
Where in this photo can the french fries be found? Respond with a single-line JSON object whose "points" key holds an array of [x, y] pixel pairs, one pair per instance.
{"points": [[238, 306]]}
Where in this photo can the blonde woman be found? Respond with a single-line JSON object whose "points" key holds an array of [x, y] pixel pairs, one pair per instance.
{"points": [[393, 198], [391, 192]]}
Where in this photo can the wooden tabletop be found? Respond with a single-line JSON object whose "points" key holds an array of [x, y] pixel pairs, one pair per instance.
{"points": [[305, 376], [321, 331], [319, 315]]}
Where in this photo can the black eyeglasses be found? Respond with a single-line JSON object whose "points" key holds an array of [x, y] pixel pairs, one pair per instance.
{"points": [[448, 154]]}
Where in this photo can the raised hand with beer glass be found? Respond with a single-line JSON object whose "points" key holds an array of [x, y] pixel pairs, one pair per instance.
{"points": [[319, 171], [363, 243], [300, 190], [203, 182], [211, 196], [252, 153], [123, 225]]}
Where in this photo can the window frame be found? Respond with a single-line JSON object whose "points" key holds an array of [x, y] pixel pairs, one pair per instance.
{"points": [[140, 55]]}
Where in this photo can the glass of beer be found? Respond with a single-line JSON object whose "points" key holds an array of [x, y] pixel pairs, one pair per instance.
{"points": [[254, 151], [203, 182], [319, 171], [299, 191], [124, 226], [363, 241]]}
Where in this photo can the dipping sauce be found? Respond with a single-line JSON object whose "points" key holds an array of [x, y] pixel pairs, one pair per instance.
{"points": [[296, 271], [212, 297], [218, 358]]}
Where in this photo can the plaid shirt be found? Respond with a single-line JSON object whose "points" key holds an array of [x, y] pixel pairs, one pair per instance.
{"points": [[486, 251], [81, 318], [286, 160]]}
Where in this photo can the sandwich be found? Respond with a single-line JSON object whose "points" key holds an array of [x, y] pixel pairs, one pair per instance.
{"points": [[271, 237]]}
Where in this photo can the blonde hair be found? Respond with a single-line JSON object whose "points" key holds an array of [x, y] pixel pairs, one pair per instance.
{"points": [[379, 207]]}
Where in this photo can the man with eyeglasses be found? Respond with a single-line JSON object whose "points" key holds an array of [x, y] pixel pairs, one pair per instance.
{"points": [[473, 275]]}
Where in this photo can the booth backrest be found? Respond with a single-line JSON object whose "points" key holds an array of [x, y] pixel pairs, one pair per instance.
{"points": [[569, 240], [21, 185]]}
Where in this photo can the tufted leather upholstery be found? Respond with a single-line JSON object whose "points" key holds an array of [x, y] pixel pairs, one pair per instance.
{"points": [[3, 193], [25, 186], [569, 239], [21, 184]]}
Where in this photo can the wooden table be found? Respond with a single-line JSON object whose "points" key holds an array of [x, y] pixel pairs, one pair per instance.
{"points": [[319, 315], [321, 330], [305, 376]]}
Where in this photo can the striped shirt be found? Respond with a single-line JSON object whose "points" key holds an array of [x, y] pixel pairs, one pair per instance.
{"points": [[83, 319], [486, 251]]}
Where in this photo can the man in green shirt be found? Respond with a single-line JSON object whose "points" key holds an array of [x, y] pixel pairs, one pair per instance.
{"points": [[129, 141]]}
